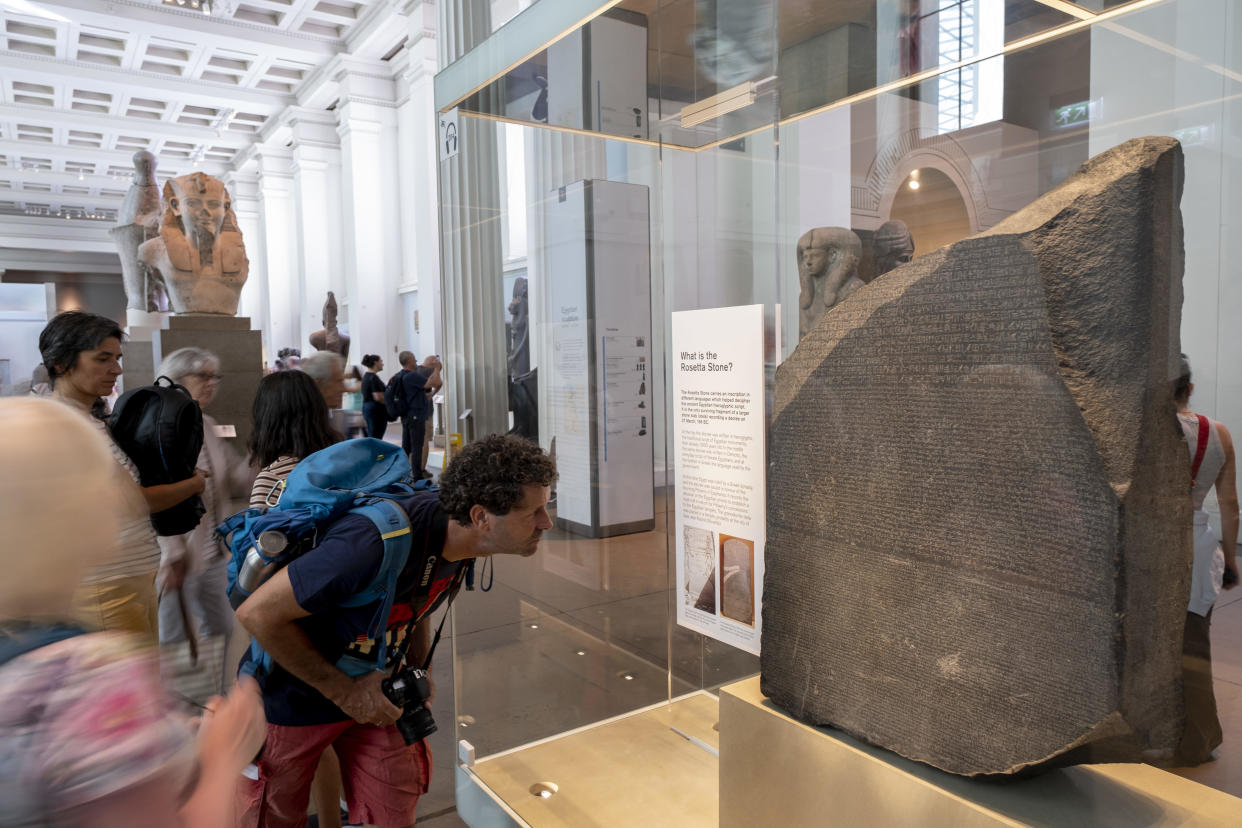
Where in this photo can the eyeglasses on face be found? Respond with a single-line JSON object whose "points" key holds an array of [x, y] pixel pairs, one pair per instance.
{"points": [[206, 376]]}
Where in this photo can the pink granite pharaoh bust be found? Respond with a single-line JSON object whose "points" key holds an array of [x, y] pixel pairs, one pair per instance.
{"points": [[199, 252]]}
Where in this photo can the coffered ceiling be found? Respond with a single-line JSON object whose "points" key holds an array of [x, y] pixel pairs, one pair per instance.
{"points": [[86, 83]]}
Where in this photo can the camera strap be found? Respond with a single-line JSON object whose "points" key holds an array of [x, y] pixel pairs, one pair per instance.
{"points": [[421, 590]]}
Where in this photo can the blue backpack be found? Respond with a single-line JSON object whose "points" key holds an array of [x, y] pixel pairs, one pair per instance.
{"points": [[359, 477]]}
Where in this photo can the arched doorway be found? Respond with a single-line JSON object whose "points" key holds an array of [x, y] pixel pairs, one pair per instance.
{"points": [[933, 208]]}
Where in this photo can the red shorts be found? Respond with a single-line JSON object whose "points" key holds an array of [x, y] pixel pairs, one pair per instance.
{"points": [[381, 776]]}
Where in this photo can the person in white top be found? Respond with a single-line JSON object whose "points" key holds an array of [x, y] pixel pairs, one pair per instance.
{"points": [[1215, 566]]}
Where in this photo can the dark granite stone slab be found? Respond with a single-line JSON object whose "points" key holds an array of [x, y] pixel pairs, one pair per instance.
{"points": [[978, 538]]}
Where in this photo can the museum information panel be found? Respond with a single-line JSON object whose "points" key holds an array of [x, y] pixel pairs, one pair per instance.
{"points": [[599, 394], [718, 442]]}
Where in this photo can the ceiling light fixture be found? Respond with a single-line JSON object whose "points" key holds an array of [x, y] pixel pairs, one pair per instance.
{"points": [[722, 103]]}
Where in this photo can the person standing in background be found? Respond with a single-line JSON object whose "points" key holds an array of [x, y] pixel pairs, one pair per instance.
{"points": [[193, 578], [291, 421], [82, 353], [433, 369], [328, 371], [373, 409], [415, 381], [1215, 567]]}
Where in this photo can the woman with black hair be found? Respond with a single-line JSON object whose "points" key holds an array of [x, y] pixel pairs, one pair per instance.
{"points": [[82, 353], [291, 421], [373, 409]]}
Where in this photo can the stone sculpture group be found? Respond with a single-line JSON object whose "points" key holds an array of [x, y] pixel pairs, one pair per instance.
{"points": [[986, 569], [188, 249]]}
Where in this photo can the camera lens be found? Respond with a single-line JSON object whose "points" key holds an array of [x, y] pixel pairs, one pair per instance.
{"points": [[416, 724]]}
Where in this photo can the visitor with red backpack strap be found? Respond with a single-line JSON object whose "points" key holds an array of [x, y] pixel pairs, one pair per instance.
{"points": [[322, 677], [1215, 566]]}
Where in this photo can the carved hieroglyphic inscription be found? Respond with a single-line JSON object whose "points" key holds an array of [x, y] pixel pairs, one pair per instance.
{"points": [[955, 543]]}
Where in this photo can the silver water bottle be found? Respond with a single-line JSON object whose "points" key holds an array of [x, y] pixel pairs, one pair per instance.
{"points": [[258, 564]]}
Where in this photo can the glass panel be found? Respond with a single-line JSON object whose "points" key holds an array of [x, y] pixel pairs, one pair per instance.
{"points": [[714, 71], [584, 628], [947, 116]]}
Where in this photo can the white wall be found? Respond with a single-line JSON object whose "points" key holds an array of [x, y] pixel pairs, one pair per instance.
{"points": [[1159, 71], [23, 313]]}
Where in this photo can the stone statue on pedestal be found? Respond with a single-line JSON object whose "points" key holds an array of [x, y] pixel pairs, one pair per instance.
{"points": [[519, 329], [199, 253], [523, 382], [893, 246], [330, 338], [138, 220], [827, 262]]}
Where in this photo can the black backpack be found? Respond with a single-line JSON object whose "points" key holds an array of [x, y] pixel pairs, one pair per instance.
{"points": [[160, 427], [395, 401]]}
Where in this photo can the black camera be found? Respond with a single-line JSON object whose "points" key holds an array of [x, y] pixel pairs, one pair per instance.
{"points": [[408, 690]]}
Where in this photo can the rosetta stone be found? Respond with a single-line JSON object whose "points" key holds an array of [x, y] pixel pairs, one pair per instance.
{"points": [[986, 565]]}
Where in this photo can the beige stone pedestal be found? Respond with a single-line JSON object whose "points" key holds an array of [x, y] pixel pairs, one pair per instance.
{"points": [[775, 770]]}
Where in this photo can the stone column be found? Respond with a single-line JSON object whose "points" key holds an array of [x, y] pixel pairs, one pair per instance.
{"points": [[417, 152], [371, 208], [279, 232], [244, 188], [317, 206], [472, 279]]}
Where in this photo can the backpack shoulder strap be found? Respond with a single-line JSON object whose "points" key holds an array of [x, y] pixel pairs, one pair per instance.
{"points": [[15, 643], [394, 529]]}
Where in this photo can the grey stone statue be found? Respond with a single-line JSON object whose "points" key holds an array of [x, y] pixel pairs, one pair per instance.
{"points": [[330, 338], [519, 329], [827, 270], [893, 246], [199, 253], [138, 220]]}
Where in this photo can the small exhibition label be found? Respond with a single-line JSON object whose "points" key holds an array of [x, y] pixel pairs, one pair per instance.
{"points": [[718, 444]]}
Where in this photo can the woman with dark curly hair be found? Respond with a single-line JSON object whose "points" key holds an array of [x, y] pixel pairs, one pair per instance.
{"points": [[492, 475]]}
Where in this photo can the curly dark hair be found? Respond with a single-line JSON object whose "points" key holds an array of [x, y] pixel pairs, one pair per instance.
{"points": [[70, 333], [290, 418], [491, 472]]}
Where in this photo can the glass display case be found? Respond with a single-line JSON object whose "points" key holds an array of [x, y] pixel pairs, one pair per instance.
{"points": [[604, 166]]}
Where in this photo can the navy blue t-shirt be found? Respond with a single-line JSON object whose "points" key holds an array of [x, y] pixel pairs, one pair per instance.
{"points": [[416, 393], [344, 562]]}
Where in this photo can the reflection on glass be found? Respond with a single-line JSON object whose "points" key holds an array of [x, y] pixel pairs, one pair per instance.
{"points": [[586, 629]]}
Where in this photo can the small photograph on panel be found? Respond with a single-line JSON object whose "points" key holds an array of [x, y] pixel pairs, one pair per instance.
{"points": [[700, 569], [737, 579]]}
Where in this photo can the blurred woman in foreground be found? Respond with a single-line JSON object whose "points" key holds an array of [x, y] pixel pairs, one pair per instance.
{"points": [[87, 739]]}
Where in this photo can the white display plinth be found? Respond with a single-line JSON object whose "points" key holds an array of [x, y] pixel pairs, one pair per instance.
{"points": [[775, 770]]}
